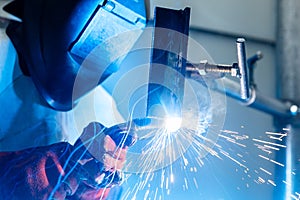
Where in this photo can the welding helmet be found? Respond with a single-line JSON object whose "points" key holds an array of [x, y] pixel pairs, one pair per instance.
{"points": [[53, 38]]}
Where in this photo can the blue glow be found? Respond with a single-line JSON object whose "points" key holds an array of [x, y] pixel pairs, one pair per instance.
{"points": [[172, 124]]}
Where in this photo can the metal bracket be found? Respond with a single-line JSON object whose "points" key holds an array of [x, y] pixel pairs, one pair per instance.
{"points": [[238, 69]]}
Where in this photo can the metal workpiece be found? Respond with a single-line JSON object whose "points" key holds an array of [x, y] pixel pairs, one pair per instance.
{"points": [[168, 62], [243, 70]]}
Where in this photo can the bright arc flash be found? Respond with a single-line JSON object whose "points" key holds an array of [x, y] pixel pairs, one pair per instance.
{"points": [[172, 124]]}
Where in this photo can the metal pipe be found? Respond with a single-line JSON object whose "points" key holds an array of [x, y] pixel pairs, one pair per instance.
{"points": [[288, 59], [256, 100], [243, 70]]}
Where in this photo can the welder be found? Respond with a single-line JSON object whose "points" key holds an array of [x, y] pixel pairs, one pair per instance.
{"points": [[53, 39]]}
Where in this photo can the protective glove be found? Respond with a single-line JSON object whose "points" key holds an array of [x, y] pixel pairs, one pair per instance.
{"points": [[101, 152]]}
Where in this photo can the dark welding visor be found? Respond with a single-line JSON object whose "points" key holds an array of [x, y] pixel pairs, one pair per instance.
{"points": [[54, 38]]}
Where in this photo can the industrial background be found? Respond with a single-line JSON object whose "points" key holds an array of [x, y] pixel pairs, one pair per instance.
{"points": [[273, 28]]}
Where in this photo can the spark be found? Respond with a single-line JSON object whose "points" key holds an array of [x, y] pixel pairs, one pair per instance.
{"points": [[270, 143], [287, 183], [263, 148], [270, 147], [162, 179], [240, 137], [273, 161], [195, 181], [198, 147], [272, 182], [164, 147], [260, 180], [275, 138], [146, 194], [168, 192], [229, 131], [167, 183], [172, 178], [186, 162], [200, 162], [277, 163], [231, 158], [294, 197], [186, 183], [240, 155], [266, 171], [155, 195], [232, 140], [274, 133]]}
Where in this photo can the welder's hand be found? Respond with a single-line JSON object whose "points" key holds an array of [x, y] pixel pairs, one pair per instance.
{"points": [[108, 145], [101, 152], [104, 151], [114, 157]]}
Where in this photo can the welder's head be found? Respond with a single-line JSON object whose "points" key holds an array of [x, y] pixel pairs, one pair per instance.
{"points": [[54, 37]]}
